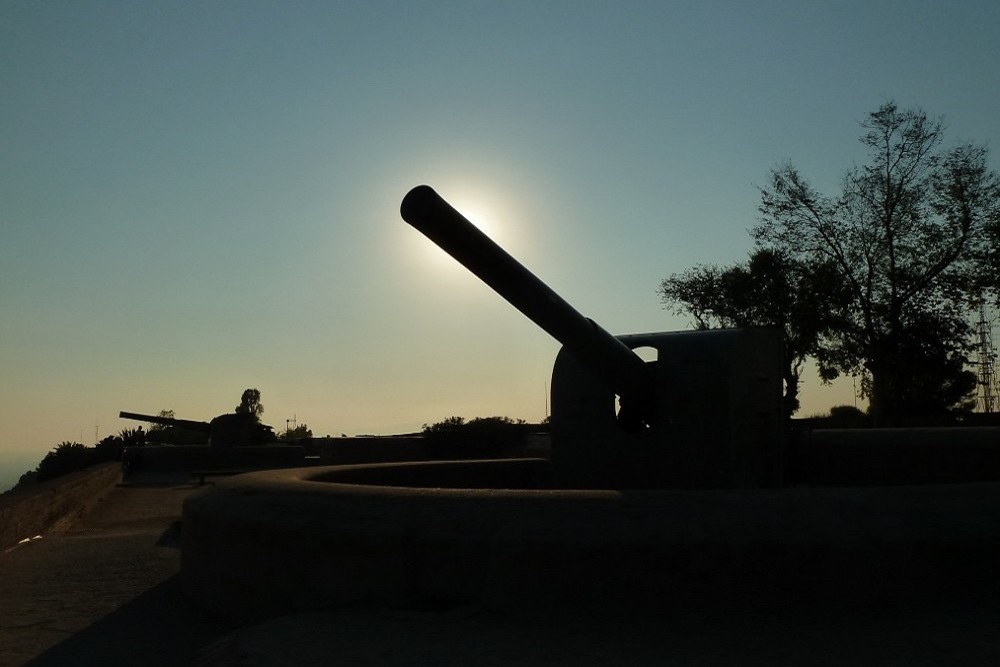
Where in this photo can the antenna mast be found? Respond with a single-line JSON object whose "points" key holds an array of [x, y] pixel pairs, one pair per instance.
{"points": [[987, 378]]}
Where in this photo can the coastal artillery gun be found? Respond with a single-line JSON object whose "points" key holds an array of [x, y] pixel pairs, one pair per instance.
{"points": [[608, 524], [228, 430], [706, 413]]}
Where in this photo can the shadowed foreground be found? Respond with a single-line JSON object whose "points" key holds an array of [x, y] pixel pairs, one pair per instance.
{"points": [[107, 592]]}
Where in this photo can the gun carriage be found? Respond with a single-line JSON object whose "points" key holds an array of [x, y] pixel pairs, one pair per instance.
{"points": [[229, 430]]}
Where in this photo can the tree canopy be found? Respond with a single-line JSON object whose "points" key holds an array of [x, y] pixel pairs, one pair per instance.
{"points": [[912, 236], [878, 280], [804, 299], [481, 437], [250, 404], [166, 414], [298, 433]]}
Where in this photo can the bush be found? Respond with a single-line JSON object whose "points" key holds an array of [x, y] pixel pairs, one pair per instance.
{"points": [[482, 437], [846, 412], [66, 458], [26, 482]]}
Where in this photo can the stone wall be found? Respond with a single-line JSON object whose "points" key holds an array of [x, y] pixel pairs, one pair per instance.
{"points": [[55, 504]]}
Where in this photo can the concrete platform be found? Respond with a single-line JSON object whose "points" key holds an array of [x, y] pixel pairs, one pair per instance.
{"points": [[106, 592]]}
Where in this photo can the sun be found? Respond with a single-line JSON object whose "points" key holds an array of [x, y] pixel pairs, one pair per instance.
{"points": [[482, 217], [480, 213]]}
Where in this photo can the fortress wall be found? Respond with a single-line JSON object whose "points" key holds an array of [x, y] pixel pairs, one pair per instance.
{"points": [[55, 504]]}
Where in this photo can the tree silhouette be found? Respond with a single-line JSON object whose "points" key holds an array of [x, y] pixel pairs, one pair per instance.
{"points": [[478, 438], [298, 433], [805, 300], [250, 404], [167, 414], [911, 236], [67, 457]]}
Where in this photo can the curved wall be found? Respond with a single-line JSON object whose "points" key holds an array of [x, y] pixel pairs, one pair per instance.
{"points": [[276, 542]]}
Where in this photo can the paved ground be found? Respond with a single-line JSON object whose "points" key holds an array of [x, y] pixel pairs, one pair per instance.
{"points": [[107, 593], [710, 638]]}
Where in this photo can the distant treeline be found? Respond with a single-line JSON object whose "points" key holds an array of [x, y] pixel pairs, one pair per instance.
{"points": [[848, 416], [482, 437]]}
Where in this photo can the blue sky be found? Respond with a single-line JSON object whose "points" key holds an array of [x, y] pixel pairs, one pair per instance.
{"points": [[196, 198]]}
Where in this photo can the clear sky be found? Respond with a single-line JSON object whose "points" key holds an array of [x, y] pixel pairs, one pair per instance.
{"points": [[197, 198]]}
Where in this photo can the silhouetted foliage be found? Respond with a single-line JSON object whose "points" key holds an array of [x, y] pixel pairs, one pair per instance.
{"points": [[67, 457], [250, 404], [840, 416], [935, 379], [912, 235], [24, 483], [132, 437], [168, 414], [804, 299], [847, 412], [297, 433], [481, 437], [111, 447]]}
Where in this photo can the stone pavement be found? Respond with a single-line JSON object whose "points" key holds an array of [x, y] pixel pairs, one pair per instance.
{"points": [[106, 592]]}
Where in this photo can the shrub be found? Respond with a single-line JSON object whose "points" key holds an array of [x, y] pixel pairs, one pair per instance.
{"points": [[482, 437], [67, 457]]}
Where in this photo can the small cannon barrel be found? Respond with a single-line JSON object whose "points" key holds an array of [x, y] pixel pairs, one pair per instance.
{"points": [[627, 374], [167, 421]]}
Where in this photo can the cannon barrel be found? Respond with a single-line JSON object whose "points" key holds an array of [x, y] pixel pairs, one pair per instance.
{"points": [[626, 373], [167, 421]]}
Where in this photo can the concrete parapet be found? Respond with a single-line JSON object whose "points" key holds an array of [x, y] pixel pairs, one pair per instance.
{"points": [[53, 505], [271, 543], [896, 456]]}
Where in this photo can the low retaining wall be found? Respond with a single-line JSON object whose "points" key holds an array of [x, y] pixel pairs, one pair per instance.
{"points": [[896, 456], [54, 504], [277, 542]]}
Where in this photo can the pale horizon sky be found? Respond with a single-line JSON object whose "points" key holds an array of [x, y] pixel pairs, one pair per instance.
{"points": [[200, 198]]}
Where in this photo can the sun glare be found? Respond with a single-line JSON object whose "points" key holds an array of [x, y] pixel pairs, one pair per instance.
{"points": [[480, 214]]}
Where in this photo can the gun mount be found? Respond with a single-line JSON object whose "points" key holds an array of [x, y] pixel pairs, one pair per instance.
{"points": [[561, 536], [229, 430], [705, 414]]}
